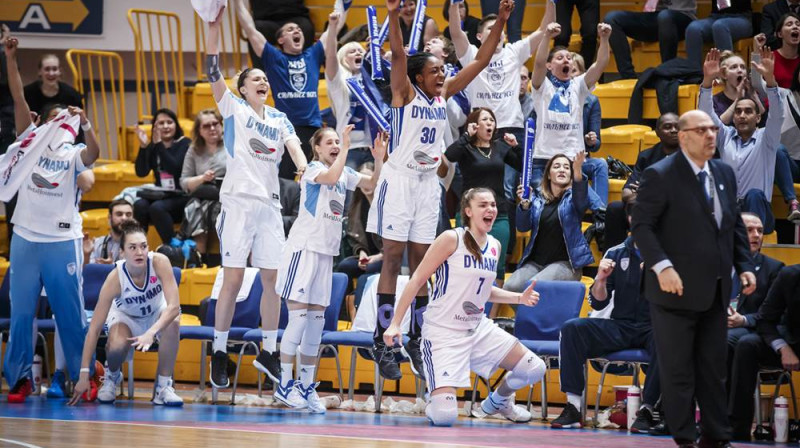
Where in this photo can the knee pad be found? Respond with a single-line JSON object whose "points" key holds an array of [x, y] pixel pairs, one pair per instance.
{"points": [[315, 323], [293, 333], [442, 410], [529, 370]]}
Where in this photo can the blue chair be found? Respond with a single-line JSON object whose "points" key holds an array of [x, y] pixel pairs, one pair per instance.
{"points": [[538, 328], [633, 358], [246, 316]]}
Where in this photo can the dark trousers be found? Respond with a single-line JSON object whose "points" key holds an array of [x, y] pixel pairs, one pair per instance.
{"points": [[751, 354], [616, 224], [755, 201], [585, 338], [163, 214], [692, 351], [514, 24], [665, 27], [734, 335], [287, 169], [350, 267], [589, 13]]}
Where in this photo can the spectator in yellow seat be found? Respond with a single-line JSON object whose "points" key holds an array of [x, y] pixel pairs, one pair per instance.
{"points": [[786, 54], [106, 250], [723, 28]]}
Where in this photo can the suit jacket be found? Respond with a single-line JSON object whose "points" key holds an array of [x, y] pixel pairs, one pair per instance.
{"points": [[779, 315], [770, 15], [672, 220], [767, 270]]}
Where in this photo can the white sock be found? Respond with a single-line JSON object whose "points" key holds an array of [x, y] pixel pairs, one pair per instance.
{"points": [[499, 398], [269, 340], [220, 343], [286, 373], [307, 374], [574, 400], [163, 380], [61, 360]]}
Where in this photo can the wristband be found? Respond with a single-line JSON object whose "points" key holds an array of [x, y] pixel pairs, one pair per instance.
{"points": [[86, 127], [84, 370], [212, 66]]}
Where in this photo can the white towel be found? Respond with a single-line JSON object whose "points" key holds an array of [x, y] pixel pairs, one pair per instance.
{"points": [[208, 9]]}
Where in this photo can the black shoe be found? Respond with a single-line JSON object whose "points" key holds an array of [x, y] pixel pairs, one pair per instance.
{"points": [[269, 363], [387, 364], [570, 418], [644, 422], [219, 370], [660, 429], [413, 352]]}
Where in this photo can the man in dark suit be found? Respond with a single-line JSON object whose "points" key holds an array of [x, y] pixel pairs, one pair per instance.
{"points": [[770, 16], [775, 346], [687, 226]]}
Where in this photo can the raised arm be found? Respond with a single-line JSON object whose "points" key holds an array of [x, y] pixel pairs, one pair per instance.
{"points": [[218, 86], [378, 153], [457, 35], [334, 172], [341, 18], [711, 71], [458, 82], [535, 38], [256, 39], [92, 151], [596, 70], [540, 61], [331, 61], [402, 93], [22, 113], [766, 68]]}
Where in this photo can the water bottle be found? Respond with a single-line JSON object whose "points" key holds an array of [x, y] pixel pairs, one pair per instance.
{"points": [[36, 372], [634, 401], [781, 419]]}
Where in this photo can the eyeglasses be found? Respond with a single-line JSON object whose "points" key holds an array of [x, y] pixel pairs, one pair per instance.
{"points": [[210, 125], [702, 130]]}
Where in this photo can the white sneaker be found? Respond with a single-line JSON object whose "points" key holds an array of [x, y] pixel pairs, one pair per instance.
{"points": [[507, 408], [291, 395], [166, 396], [315, 405], [108, 391]]}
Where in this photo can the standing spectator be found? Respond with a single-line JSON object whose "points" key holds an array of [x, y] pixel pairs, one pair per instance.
{"points": [[482, 160], [293, 75], [750, 151], [106, 250], [787, 56], [771, 15], [163, 155], [514, 26], [723, 27], [270, 15], [589, 13], [429, 28], [595, 168], [662, 21], [49, 89], [202, 174], [557, 249], [468, 23], [525, 98]]}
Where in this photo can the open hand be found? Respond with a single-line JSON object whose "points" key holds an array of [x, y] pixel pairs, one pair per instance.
{"points": [[379, 146], [711, 68], [669, 281], [142, 342]]}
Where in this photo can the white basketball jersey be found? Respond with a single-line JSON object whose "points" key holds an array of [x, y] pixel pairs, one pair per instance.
{"points": [[462, 286], [136, 301], [255, 147], [417, 134]]}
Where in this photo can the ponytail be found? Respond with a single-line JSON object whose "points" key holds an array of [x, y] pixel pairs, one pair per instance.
{"points": [[469, 240]]}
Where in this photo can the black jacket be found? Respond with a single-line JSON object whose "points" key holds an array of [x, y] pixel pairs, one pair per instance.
{"points": [[665, 78], [672, 220], [767, 270], [646, 158], [779, 315], [625, 282]]}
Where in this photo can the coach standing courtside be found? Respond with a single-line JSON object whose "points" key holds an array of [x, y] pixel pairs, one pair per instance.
{"points": [[687, 225]]}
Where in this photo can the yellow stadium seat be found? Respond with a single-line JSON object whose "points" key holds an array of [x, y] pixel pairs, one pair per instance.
{"points": [[622, 142], [202, 97], [650, 139], [95, 222], [519, 246], [787, 253], [4, 264], [779, 207], [615, 189], [615, 99], [198, 284], [771, 238]]}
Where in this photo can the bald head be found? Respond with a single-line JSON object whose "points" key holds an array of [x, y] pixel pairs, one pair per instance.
{"points": [[697, 136], [691, 118]]}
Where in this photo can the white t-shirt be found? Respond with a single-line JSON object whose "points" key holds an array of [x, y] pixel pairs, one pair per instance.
{"points": [[559, 118], [255, 147], [417, 137], [348, 110], [497, 86], [319, 222]]}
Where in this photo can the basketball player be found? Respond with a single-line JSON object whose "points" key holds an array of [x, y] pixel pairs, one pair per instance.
{"points": [[457, 336], [406, 211], [139, 303], [250, 220], [305, 275]]}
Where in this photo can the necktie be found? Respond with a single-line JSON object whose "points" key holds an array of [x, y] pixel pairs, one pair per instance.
{"points": [[723, 4], [702, 177], [650, 6]]}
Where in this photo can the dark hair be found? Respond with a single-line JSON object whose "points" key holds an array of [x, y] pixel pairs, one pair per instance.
{"points": [[474, 116], [546, 191], [469, 239], [316, 138], [484, 20], [117, 203], [48, 108], [174, 117], [416, 63], [198, 142], [130, 227], [782, 21], [664, 116], [555, 50], [795, 87], [279, 31], [446, 10], [241, 78]]}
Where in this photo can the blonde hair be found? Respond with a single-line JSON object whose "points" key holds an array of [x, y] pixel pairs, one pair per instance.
{"points": [[724, 57], [469, 240], [317, 138], [342, 53], [578, 61]]}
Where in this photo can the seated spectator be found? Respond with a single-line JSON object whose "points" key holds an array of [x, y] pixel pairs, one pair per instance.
{"points": [[201, 177], [749, 150], [620, 284], [786, 54], [106, 250], [662, 21], [163, 156], [771, 15], [557, 249], [290, 202], [469, 24], [49, 89], [667, 132], [270, 16], [429, 28], [743, 308], [775, 346], [589, 13], [723, 27], [482, 160]]}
